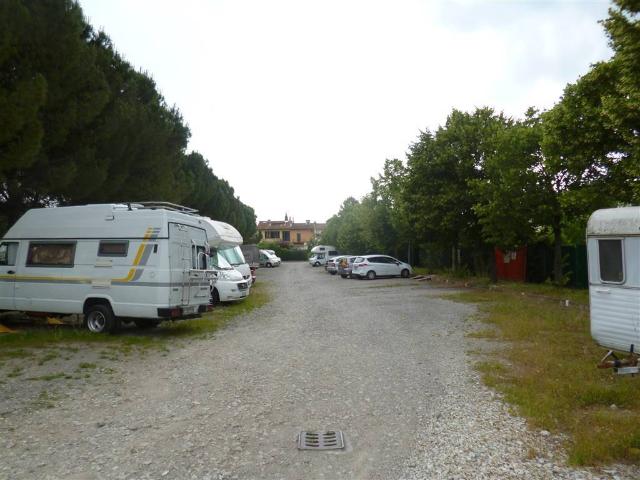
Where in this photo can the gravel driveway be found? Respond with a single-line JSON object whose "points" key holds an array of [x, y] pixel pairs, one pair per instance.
{"points": [[385, 361]]}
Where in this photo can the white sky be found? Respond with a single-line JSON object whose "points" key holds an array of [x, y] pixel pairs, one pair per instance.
{"points": [[298, 103]]}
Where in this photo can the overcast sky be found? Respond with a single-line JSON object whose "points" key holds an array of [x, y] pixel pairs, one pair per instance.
{"points": [[298, 103]]}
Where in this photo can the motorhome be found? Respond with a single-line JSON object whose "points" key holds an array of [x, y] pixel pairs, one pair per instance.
{"points": [[321, 253], [143, 262], [234, 274], [613, 249]]}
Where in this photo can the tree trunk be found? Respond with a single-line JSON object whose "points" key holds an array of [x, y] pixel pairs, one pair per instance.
{"points": [[557, 253], [493, 272]]}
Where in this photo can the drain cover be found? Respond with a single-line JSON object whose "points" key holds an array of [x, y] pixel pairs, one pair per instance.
{"points": [[331, 440]]}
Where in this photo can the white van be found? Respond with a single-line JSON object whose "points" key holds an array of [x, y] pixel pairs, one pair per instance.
{"points": [[134, 262], [234, 274], [613, 249], [321, 253]]}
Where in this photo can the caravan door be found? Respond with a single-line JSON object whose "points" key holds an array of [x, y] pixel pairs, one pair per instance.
{"points": [[8, 254], [179, 263]]}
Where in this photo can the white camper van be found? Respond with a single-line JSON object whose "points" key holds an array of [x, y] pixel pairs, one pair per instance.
{"points": [[234, 274], [134, 262], [321, 253], [613, 248]]}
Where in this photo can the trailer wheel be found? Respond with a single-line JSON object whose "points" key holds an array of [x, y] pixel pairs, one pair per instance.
{"points": [[100, 319]]}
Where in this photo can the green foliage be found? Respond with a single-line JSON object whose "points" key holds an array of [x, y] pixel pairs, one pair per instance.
{"points": [[78, 124], [621, 104], [285, 253]]}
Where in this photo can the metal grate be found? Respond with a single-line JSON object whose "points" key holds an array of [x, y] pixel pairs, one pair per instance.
{"points": [[331, 440]]}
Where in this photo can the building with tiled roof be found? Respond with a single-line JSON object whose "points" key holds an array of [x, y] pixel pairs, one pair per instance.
{"points": [[289, 233]]}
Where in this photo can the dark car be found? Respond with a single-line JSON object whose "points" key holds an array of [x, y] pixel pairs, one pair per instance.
{"points": [[345, 266]]}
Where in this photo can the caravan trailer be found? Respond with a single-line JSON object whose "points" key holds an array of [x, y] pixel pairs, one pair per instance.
{"points": [[144, 263], [613, 248]]}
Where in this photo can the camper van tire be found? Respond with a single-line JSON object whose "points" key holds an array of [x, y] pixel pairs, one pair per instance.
{"points": [[99, 318], [215, 297], [269, 265]]}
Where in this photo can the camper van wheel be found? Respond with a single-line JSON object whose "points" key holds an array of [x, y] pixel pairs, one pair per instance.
{"points": [[100, 319], [146, 323], [215, 297], [269, 265]]}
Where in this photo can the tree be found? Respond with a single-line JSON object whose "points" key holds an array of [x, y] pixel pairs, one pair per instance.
{"points": [[621, 104], [441, 167]]}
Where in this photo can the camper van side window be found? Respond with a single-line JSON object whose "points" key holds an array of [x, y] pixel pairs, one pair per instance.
{"points": [[8, 253], [611, 261], [59, 254], [113, 248]]}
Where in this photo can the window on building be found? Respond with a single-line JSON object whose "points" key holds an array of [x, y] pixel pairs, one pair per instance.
{"points": [[273, 234], [611, 261], [286, 236], [59, 254], [113, 248]]}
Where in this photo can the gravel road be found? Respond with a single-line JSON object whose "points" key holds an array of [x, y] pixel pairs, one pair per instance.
{"points": [[385, 361]]}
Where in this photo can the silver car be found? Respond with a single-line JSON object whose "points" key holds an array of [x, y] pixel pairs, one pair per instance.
{"points": [[372, 266]]}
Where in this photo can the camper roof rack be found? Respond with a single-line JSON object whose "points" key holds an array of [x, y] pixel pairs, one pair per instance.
{"points": [[165, 205]]}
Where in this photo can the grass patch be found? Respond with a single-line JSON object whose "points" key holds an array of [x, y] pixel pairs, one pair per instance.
{"points": [[14, 345], [48, 378], [548, 371]]}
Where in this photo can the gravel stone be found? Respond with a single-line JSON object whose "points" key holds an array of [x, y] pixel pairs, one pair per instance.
{"points": [[385, 361]]}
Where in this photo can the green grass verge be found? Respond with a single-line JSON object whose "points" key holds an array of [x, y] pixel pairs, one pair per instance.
{"points": [[548, 371], [14, 345]]}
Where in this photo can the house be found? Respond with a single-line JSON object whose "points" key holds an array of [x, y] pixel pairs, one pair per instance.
{"points": [[289, 233]]}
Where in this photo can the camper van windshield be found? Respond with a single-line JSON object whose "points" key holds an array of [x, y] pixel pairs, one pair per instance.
{"points": [[233, 255], [216, 260]]}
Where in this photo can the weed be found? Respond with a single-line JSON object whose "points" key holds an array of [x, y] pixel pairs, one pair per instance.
{"points": [[16, 372], [49, 356], [87, 365], [48, 378], [44, 400]]}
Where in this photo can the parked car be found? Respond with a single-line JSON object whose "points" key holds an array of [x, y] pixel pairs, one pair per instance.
{"points": [[332, 264], [372, 266], [269, 260], [345, 265]]}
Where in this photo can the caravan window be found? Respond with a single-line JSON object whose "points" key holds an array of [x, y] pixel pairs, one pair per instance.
{"points": [[198, 257], [611, 261], [113, 248], [58, 254], [8, 253]]}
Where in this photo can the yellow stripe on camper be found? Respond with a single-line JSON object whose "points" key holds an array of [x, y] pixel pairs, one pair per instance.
{"points": [[136, 261], [4, 329]]}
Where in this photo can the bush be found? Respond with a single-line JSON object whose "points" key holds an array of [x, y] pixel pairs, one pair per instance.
{"points": [[286, 254]]}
